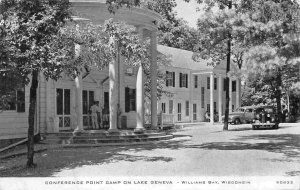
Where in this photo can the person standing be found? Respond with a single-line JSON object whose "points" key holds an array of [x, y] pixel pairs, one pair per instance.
{"points": [[94, 110]]}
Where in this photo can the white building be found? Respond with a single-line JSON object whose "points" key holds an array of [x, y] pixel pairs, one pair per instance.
{"points": [[197, 88]]}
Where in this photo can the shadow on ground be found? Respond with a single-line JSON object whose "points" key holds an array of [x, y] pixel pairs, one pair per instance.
{"points": [[54, 160]]}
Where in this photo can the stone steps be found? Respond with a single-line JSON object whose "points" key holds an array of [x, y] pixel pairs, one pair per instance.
{"points": [[104, 137]]}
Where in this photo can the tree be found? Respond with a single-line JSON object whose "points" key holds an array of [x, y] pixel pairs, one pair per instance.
{"points": [[215, 40], [30, 33], [172, 31], [273, 27]]}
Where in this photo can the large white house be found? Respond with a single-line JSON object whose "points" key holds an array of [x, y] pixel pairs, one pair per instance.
{"points": [[64, 104]]}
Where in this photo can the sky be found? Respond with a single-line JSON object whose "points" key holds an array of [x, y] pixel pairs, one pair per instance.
{"points": [[187, 11]]}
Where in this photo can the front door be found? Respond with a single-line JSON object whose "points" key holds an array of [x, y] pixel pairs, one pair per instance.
{"points": [[87, 102], [179, 112], [194, 112], [63, 108]]}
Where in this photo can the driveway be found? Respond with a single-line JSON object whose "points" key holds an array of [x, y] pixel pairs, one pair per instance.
{"points": [[204, 150]]}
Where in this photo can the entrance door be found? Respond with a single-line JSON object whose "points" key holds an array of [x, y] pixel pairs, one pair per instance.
{"points": [[194, 112], [63, 108], [179, 111], [105, 112], [87, 102]]}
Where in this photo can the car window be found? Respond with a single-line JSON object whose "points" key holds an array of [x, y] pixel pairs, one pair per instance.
{"points": [[249, 110]]}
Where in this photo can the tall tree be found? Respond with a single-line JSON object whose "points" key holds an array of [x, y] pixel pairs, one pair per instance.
{"points": [[273, 29], [30, 33]]}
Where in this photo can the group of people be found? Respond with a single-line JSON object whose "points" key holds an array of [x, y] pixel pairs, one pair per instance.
{"points": [[207, 116]]}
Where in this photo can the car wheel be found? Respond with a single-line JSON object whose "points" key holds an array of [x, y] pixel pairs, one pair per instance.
{"points": [[237, 121]]}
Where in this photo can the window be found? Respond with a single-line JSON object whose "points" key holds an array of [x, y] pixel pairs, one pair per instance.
{"points": [[202, 97], [13, 96], [215, 106], [163, 107], [194, 111], [179, 111], [187, 108], [208, 82], [224, 84], [232, 107], [183, 80], [233, 86], [215, 83], [170, 106], [130, 97], [208, 108], [196, 81], [170, 78]]}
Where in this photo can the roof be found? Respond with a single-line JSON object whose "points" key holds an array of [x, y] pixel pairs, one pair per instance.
{"points": [[183, 58]]}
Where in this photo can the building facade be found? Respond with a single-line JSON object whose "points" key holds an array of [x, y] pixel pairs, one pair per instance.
{"points": [[196, 88]]}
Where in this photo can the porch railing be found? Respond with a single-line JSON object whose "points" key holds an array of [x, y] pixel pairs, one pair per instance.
{"points": [[162, 119]]}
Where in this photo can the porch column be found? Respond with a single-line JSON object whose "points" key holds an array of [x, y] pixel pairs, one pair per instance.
{"points": [[212, 97], [230, 95], [220, 97], [238, 95], [140, 99], [113, 95], [78, 86], [153, 79]]}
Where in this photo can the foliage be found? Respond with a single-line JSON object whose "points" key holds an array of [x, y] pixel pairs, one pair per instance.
{"points": [[172, 31]]}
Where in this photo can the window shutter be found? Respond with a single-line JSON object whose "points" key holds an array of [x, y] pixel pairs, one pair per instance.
{"points": [[167, 75], [127, 100], [173, 79], [134, 98], [187, 82], [180, 79], [20, 100]]}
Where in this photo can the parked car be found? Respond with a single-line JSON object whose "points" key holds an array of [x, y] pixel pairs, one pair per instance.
{"points": [[265, 117], [241, 115]]}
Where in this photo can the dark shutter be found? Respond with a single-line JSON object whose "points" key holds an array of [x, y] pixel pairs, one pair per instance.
{"points": [[20, 100], [173, 79], [180, 79], [127, 101], [187, 80], [134, 98], [167, 75]]}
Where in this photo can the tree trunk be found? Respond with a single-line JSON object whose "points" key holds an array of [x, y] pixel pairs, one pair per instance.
{"points": [[31, 118], [278, 95], [225, 128]]}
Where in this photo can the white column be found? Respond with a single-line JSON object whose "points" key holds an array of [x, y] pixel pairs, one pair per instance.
{"points": [[140, 100], [113, 95], [153, 79], [230, 95], [212, 98], [220, 97], [237, 94], [78, 86]]}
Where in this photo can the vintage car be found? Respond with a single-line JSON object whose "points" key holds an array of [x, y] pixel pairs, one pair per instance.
{"points": [[265, 117], [241, 115]]}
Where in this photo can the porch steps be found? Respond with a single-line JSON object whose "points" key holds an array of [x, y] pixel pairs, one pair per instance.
{"points": [[95, 137]]}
